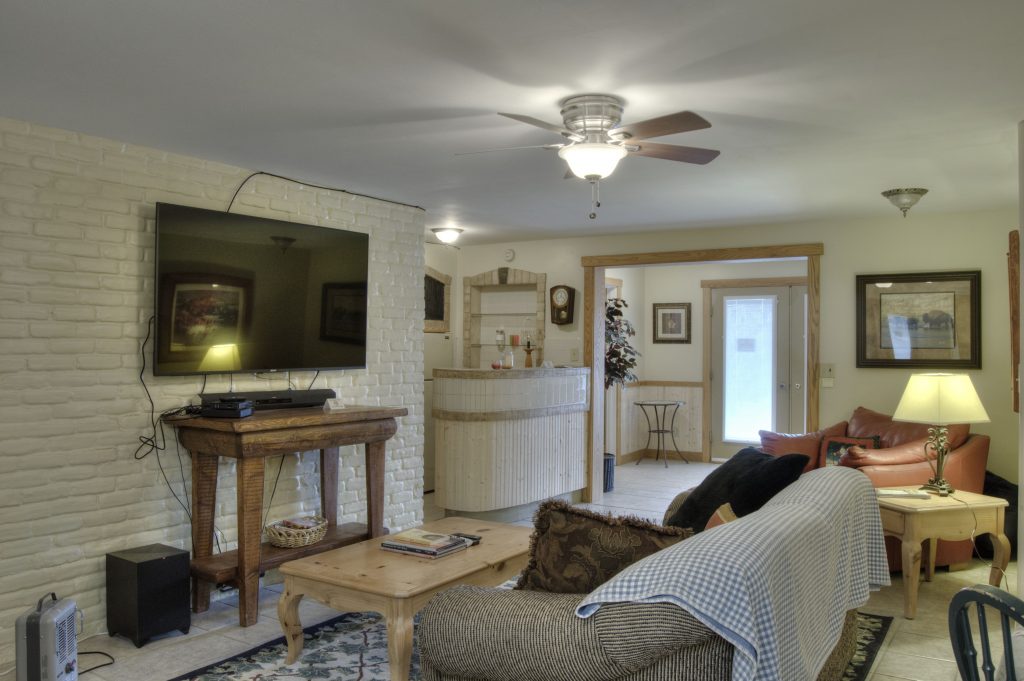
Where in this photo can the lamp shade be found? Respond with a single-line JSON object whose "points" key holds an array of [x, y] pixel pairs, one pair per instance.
{"points": [[940, 399], [222, 357], [592, 160]]}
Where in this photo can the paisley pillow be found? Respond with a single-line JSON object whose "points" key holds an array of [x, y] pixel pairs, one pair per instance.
{"points": [[574, 550]]}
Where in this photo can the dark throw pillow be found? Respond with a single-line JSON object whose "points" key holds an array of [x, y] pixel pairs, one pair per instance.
{"points": [[746, 481], [574, 550], [762, 480]]}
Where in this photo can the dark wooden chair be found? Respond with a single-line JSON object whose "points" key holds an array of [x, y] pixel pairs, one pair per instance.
{"points": [[988, 600]]}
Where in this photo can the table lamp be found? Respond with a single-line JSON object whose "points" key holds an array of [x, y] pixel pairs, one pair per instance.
{"points": [[939, 400]]}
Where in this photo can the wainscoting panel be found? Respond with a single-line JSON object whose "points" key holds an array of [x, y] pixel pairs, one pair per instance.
{"points": [[633, 425]]}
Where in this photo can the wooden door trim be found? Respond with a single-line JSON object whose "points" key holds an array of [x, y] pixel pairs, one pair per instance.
{"points": [[593, 329], [767, 282]]}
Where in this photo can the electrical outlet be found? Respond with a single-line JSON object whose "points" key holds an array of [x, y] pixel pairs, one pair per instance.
{"points": [[574, 355]]}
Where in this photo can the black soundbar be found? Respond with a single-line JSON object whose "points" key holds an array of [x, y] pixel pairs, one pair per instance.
{"points": [[274, 399]]}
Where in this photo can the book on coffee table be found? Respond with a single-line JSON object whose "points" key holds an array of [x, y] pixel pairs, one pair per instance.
{"points": [[421, 538], [422, 552], [424, 544]]}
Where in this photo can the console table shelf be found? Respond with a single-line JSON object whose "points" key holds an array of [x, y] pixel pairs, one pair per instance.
{"points": [[221, 568], [250, 441]]}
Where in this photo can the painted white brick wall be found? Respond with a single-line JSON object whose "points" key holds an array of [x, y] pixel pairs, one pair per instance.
{"points": [[76, 294]]}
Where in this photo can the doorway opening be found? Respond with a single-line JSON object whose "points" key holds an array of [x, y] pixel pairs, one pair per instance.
{"points": [[594, 293]]}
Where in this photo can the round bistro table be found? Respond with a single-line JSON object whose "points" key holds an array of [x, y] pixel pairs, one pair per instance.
{"points": [[661, 424]]}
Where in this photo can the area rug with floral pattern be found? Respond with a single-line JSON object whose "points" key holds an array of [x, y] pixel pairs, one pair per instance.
{"points": [[353, 647]]}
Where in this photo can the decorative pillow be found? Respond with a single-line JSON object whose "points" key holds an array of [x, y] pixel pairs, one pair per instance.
{"points": [[763, 480], [833, 448], [799, 443], [574, 550], [746, 481], [723, 515]]}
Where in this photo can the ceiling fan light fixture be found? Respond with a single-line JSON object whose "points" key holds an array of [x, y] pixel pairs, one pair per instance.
{"points": [[904, 198], [592, 160], [447, 235]]}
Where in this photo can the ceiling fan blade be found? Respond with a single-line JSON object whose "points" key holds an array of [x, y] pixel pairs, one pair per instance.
{"points": [[673, 152], [536, 122], [684, 121], [532, 146]]}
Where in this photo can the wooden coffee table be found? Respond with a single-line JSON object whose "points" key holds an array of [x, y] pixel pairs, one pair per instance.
{"points": [[958, 516], [364, 577]]}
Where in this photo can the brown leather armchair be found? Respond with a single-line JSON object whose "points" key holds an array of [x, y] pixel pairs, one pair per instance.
{"points": [[901, 461]]}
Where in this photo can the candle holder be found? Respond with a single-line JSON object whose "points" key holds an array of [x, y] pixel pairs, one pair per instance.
{"points": [[529, 357]]}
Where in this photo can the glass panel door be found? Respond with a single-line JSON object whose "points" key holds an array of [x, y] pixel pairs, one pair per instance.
{"points": [[757, 375]]}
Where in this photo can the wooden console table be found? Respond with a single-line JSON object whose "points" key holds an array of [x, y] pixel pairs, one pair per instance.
{"points": [[251, 440]]}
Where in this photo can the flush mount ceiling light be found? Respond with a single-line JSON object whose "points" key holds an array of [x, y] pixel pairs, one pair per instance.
{"points": [[447, 235], [904, 198], [592, 160]]}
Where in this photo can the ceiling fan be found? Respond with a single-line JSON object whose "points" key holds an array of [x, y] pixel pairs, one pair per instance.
{"points": [[597, 141]]}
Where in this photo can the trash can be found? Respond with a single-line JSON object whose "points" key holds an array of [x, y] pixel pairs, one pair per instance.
{"points": [[609, 472]]}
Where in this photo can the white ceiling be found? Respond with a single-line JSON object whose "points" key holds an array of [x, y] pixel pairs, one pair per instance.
{"points": [[816, 105]]}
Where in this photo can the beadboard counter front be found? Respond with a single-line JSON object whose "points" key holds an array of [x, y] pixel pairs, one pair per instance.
{"points": [[508, 437]]}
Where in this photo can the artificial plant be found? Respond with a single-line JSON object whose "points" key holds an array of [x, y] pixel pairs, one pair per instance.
{"points": [[619, 356]]}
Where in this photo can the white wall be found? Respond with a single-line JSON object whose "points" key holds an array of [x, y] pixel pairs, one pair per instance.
{"points": [[681, 284], [924, 241], [76, 291]]}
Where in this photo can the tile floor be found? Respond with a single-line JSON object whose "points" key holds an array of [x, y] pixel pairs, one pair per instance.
{"points": [[915, 649]]}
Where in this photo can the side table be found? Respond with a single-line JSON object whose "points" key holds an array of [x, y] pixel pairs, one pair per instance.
{"points": [[924, 521], [661, 425]]}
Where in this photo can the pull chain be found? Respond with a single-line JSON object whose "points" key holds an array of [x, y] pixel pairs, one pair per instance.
{"points": [[595, 198]]}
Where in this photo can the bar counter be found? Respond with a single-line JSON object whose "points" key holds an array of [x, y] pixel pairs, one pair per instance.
{"points": [[508, 437]]}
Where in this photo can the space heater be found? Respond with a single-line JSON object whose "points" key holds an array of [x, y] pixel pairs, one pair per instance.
{"points": [[46, 647]]}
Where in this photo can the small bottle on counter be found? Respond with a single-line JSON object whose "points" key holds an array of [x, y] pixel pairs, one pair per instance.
{"points": [[508, 360]]}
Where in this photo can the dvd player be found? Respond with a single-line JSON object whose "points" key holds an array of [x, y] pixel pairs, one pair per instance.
{"points": [[273, 399]]}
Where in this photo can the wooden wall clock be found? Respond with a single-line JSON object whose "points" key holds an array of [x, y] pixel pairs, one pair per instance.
{"points": [[562, 300]]}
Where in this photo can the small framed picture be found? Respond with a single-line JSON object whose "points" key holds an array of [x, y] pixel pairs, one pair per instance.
{"points": [[671, 322]]}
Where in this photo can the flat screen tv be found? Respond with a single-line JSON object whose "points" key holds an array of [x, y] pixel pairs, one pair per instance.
{"points": [[236, 293]]}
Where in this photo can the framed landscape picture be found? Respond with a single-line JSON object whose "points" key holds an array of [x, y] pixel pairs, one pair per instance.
{"points": [[671, 322], [931, 320]]}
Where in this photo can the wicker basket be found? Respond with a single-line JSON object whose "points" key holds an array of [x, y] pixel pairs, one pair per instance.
{"points": [[290, 537]]}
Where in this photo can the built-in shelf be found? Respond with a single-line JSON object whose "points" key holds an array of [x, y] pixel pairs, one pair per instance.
{"points": [[530, 314], [507, 299]]}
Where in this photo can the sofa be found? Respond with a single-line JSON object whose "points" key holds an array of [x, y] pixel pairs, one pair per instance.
{"points": [[739, 601], [892, 454]]}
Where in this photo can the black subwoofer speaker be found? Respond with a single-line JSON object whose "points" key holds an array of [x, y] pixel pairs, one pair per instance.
{"points": [[147, 592]]}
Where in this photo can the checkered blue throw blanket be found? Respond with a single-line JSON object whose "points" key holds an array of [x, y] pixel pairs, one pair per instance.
{"points": [[776, 583]]}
